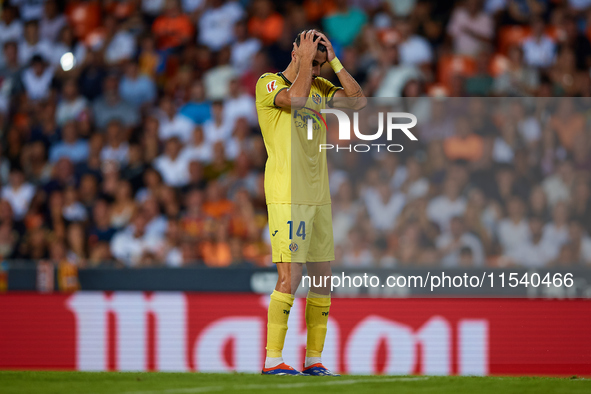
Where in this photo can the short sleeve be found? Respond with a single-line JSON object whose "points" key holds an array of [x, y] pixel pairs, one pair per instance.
{"points": [[327, 88], [267, 88]]}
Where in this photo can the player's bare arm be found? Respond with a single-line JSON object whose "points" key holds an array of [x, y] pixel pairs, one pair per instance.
{"points": [[303, 57], [351, 96]]}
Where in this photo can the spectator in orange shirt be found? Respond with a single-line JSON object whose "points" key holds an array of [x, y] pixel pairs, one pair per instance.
{"points": [[464, 145], [265, 24], [317, 9], [173, 29], [150, 61], [194, 222], [242, 222], [216, 204], [567, 123], [217, 252]]}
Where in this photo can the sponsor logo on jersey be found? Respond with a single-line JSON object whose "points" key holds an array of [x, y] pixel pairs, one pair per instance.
{"points": [[271, 86], [310, 118], [316, 98]]}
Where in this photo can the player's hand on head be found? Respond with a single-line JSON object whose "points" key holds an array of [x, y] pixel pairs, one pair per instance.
{"points": [[308, 45], [329, 49]]}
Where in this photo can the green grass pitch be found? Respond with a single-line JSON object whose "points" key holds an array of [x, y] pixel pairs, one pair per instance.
{"points": [[23, 382]]}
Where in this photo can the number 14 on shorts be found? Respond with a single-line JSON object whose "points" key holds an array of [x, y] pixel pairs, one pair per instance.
{"points": [[300, 232]]}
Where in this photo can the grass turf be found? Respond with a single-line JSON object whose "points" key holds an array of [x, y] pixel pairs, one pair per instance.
{"points": [[22, 382]]}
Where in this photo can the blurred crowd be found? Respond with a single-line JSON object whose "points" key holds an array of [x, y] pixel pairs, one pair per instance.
{"points": [[130, 136], [490, 182]]}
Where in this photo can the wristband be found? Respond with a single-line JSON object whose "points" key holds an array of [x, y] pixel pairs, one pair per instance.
{"points": [[336, 65]]}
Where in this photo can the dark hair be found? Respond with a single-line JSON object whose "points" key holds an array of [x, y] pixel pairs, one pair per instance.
{"points": [[10, 43], [321, 47], [32, 22], [466, 251], [534, 217], [36, 59]]}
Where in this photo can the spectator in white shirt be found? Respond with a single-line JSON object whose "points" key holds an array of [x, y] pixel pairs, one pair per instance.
{"points": [[152, 7], [514, 229], [52, 22], [216, 129], [73, 210], [527, 123], [71, 146], [137, 89], [116, 149], [579, 5], [389, 76], [132, 246], [451, 242], [72, 105], [557, 230], [239, 105], [172, 123], [415, 185], [244, 49], [240, 141], [534, 252], [505, 144], [539, 50], [193, 6], [199, 149], [470, 28], [29, 9], [217, 79], [156, 222], [442, 208], [383, 206], [216, 25], [558, 186], [18, 193], [173, 168], [413, 50], [118, 45], [356, 252], [32, 44], [37, 79], [11, 28], [346, 209]]}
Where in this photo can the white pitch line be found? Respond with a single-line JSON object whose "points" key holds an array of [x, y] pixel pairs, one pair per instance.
{"points": [[333, 381]]}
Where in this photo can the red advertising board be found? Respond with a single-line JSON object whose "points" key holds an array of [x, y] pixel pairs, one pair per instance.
{"points": [[176, 331]]}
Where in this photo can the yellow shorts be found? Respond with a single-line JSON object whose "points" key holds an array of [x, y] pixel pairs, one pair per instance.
{"points": [[301, 233]]}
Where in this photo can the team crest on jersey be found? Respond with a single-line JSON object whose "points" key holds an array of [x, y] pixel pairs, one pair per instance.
{"points": [[293, 247], [271, 86], [316, 98]]}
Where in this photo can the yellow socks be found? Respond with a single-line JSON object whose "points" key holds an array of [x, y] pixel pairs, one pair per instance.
{"points": [[279, 308], [317, 307]]}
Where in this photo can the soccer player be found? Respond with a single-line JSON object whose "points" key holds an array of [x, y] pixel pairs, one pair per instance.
{"points": [[296, 189]]}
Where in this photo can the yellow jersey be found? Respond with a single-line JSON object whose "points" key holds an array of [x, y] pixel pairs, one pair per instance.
{"points": [[296, 171]]}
